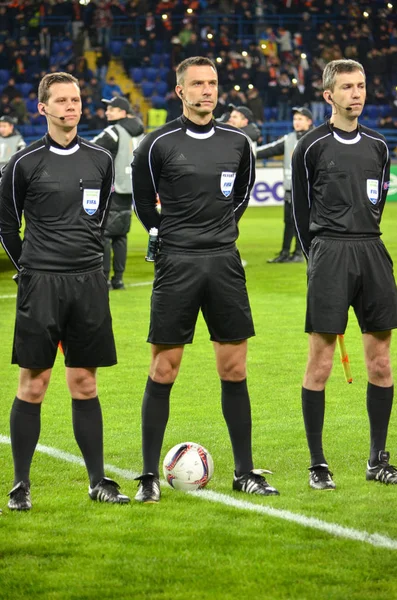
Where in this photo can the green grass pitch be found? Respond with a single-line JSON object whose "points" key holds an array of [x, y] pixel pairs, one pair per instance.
{"points": [[216, 545]]}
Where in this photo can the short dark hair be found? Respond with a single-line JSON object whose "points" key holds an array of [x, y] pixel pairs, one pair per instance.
{"points": [[335, 67], [193, 61], [49, 80]]}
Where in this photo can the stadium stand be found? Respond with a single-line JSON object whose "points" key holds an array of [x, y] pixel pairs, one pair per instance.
{"points": [[278, 48]]}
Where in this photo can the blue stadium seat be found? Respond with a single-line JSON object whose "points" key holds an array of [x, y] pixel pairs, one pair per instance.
{"points": [[166, 60], [147, 88], [163, 73], [267, 113], [4, 75], [24, 88], [115, 47], [136, 74], [372, 111], [155, 60], [158, 46], [161, 88], [56, 46], [158, 101], [151, 73], [384, 110]]}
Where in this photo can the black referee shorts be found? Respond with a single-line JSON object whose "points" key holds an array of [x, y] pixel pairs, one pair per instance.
{"points": [[350, 272], [185, 283], [69, 307]]}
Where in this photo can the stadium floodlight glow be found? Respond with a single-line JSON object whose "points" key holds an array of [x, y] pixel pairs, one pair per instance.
{"points": [[250, 86], [209, 36], [244, 53], [164, 17], [263, 46], [237, 88], [218, 59], [294, 80], [389, 5], [366, 14], [303, 55], [189, 11]]}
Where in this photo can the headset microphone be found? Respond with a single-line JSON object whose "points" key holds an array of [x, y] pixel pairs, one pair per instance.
{"points": [[54, 116], [340, 106], [189, 103]]}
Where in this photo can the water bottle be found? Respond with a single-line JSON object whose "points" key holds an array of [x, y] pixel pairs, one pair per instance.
{"points": [[152, 245]]}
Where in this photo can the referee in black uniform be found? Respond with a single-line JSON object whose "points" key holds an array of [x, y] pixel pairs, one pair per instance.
{"points": [[340, 181], [203, 172], [62, 185]]}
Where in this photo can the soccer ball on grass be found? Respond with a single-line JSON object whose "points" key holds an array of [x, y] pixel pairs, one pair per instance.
{"points": [[188, 466]]}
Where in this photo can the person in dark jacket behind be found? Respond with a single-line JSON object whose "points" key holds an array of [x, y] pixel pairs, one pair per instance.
{"points": [[302, 123], [243, 118], [121, 138]]}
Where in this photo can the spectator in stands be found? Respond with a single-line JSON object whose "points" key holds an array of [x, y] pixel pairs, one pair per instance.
{"points": [[82, 69], [10, 89], [31, 107], [6, 24], [318, 105], [111, 89], [5, 107], [143, 53], [94, 88], [387, 122], [99, 120], [173, 105], [255, 104], [45, 41], [284, 97], [129, 55], [193, 47], [103, 20], [86, 118], [376, 91], [10, 139], [19, 110]]}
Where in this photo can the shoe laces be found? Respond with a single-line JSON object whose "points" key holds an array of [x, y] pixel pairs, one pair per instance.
{"points": [[108, 486], [322, 474], [146, 482], [21, 492], [258, 476]]}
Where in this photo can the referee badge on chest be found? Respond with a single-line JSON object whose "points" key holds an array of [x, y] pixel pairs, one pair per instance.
{"points": [[227, 181], [373, 190], [91, 201]]}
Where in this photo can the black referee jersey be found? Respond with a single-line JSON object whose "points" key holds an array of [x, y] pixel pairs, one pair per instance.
{"points": [[339, 183], [203, 176], [64, 195]]}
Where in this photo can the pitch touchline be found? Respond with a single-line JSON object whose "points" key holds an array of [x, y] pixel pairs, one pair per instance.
{"points": [[374, 539], [127, 285]]}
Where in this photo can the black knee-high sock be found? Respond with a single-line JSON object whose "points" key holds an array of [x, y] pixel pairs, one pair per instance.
{"points": [[379, 405], [155, 413], [88, 432], [313, 408], [236, 410], [25, 431]]}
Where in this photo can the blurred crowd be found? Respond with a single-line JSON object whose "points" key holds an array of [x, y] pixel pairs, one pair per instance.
{"points": [[270, 55]]}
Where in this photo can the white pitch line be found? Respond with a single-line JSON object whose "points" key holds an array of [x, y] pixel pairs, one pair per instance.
{"points": [[127, 285], [374, 539]]}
